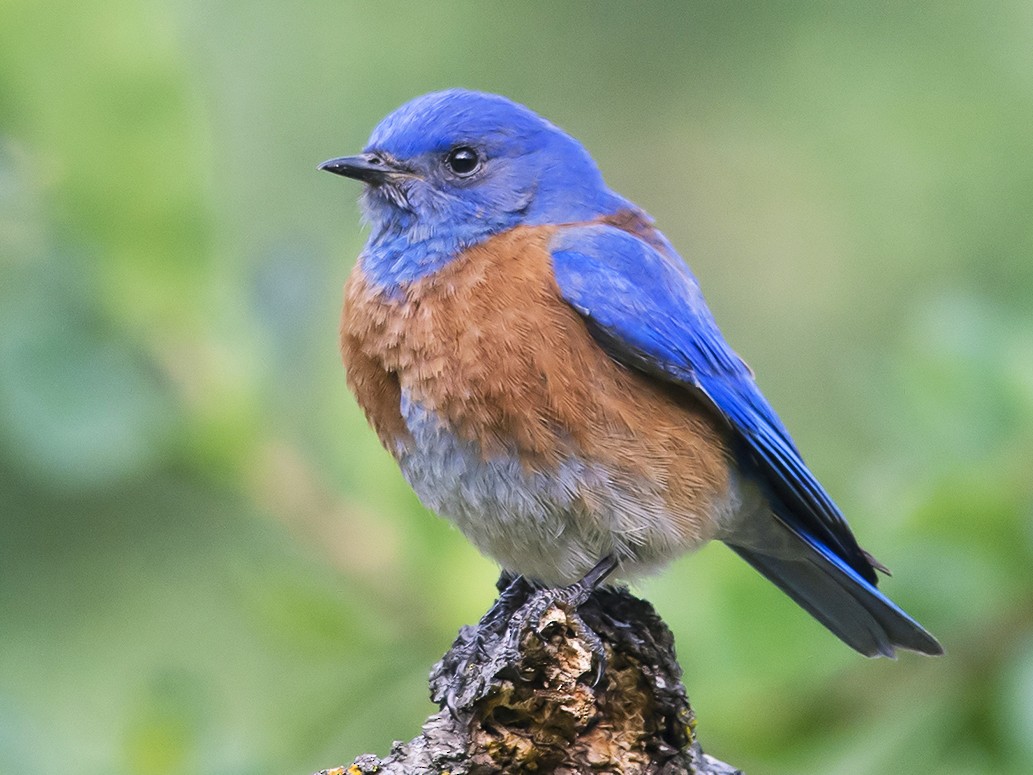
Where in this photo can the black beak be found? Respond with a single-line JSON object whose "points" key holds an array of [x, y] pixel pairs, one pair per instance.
{"points": [[367, 167]]}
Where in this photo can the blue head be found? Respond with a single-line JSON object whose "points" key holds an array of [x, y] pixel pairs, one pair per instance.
{"points": [[449, 169]]}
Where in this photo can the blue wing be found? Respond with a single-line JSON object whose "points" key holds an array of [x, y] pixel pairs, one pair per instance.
{"points": [[647, 310], [644, 307]]}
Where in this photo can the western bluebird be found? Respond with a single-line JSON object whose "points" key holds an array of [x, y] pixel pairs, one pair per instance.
{"points": [[544, 368]]}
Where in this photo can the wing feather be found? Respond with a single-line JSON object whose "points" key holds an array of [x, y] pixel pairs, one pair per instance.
{"points": [[646, 310]]}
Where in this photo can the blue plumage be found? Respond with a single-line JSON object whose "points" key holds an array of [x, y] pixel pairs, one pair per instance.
{"points": [[647, 310], [430, 216]]}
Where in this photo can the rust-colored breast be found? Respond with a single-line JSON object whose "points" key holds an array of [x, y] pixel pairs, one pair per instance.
{"points": [[489, 345], [371, 330]]}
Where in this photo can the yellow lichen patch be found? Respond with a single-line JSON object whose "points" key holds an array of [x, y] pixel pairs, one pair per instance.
{"points": [[552, 714]]}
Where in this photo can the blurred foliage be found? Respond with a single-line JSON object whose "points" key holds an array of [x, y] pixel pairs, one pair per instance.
{"points": [[207, 563]]}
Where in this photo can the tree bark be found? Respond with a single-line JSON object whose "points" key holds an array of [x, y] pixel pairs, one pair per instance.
{"points": [[540, 699]]}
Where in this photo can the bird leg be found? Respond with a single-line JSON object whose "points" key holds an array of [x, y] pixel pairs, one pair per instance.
{"points": [[493, 645], [570, 597], [460, 677]]}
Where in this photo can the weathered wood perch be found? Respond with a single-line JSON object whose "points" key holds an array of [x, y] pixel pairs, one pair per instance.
{"points": [[530, 701]]}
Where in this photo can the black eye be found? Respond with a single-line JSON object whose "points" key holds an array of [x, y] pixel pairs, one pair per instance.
{"points": [[463, 161]]}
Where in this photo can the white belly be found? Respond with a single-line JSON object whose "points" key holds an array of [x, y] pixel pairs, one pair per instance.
{"points": [[549, 526]]}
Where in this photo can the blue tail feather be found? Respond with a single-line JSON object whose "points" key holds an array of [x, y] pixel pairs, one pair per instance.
{"points": [[836, 595]]}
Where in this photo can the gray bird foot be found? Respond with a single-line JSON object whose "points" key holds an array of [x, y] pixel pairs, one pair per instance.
{"points": [[465, 672], [571, 598], [483, 652]]}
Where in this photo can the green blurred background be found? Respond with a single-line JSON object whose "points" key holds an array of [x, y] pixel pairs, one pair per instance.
{"points": [[207, 563]]}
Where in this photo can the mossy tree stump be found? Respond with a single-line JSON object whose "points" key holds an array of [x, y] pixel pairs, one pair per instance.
{"points": [[534, 700]]}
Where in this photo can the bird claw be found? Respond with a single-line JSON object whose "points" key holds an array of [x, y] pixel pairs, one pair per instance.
{"points": [[569, 599], [481, 652], [465, 672]]}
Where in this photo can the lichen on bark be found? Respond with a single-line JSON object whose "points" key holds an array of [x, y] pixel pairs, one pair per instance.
{"points": [[544, 702]]}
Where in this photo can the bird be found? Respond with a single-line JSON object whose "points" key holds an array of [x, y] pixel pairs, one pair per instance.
{"points": [[542, 365]]}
